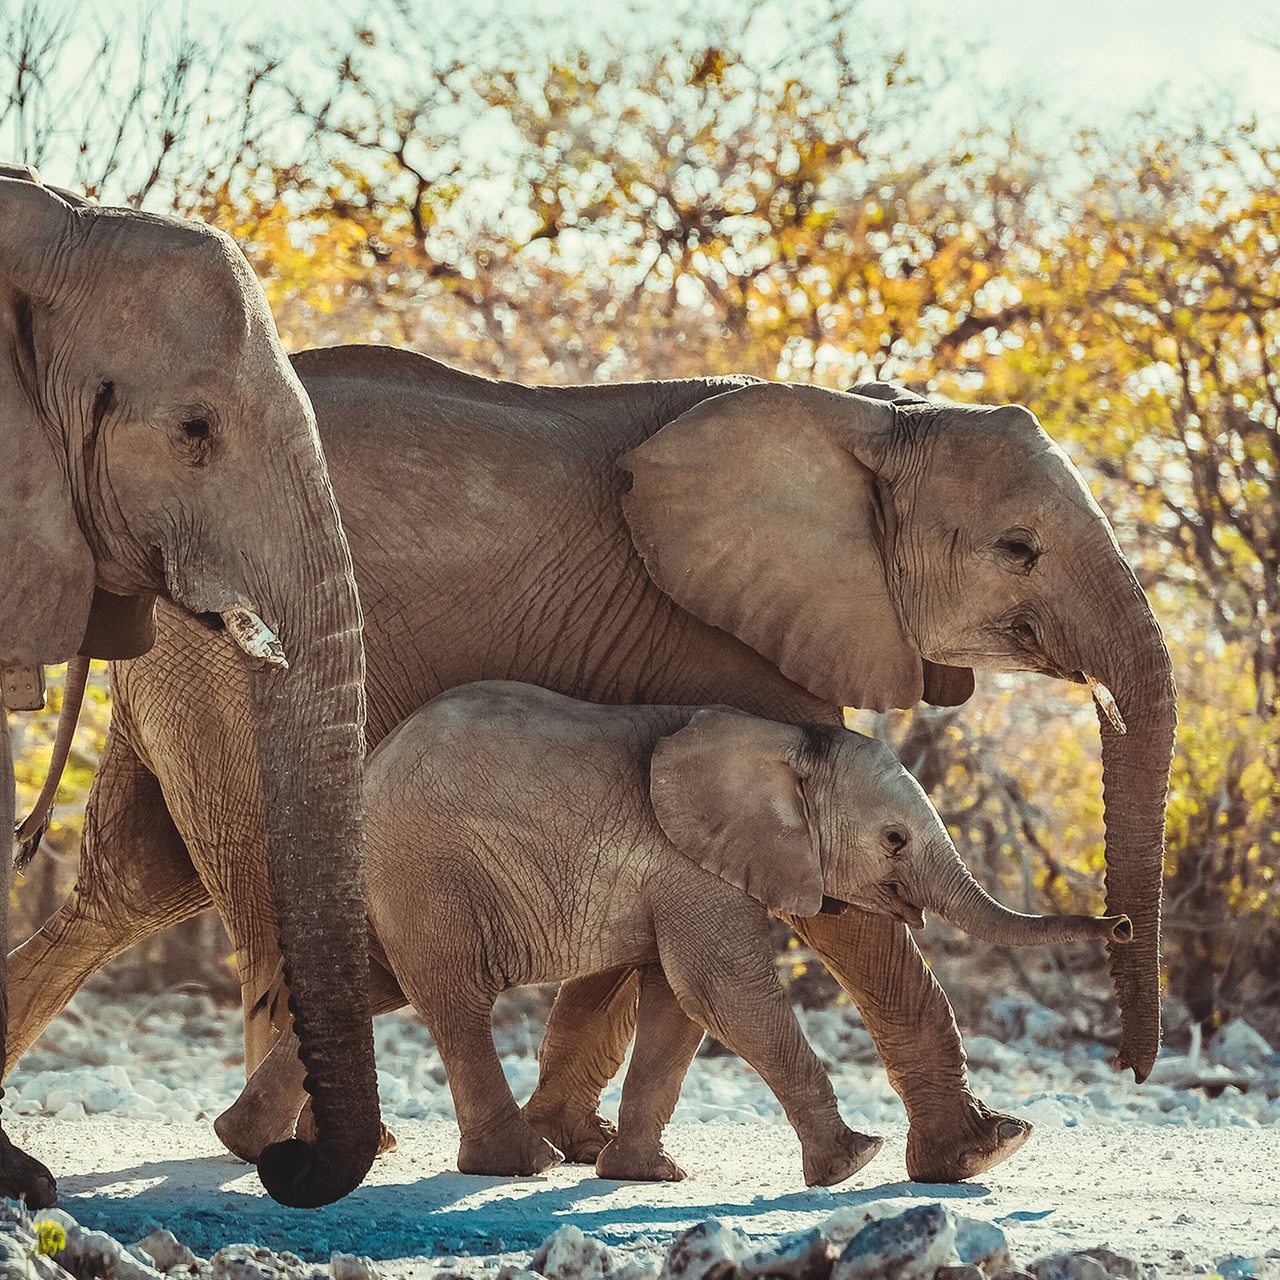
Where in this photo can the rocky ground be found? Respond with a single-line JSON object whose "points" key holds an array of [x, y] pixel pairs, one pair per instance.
{"points": [[1181, 1174]]}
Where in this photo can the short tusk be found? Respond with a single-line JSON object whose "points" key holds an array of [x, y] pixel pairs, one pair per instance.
{"points": [[1106, 703], [254, 636]]}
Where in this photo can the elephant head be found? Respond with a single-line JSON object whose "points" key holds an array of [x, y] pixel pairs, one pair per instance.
{"points": [[878, 548], [155, 443], [810, 819]]}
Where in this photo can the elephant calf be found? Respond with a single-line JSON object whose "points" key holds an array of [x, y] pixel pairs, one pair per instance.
{"points": [[518, 836]]}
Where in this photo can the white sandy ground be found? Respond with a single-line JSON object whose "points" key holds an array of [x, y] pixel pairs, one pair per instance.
{"points": [[117, 1100]]}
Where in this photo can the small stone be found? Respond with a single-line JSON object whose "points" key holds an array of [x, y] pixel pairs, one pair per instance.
{"points": [[708, 1251], [638, 1269], [567, 1254], [1116, 1265], [803, 1255], [1237, 1045], [250, 1262], [350, 1266], [167, 1251], [1069, 1266], [845, 1223], [911, 1246], [982, 1244], [963, 1272]]}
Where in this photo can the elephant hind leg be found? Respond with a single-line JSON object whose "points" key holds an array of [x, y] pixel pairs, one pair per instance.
{"points": [[495, 1137], [666, 1041], [136, 878], [587, 1035]]}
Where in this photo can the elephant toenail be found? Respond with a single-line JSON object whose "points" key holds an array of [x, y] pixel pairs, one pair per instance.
{"points": [[1007, 1130]]}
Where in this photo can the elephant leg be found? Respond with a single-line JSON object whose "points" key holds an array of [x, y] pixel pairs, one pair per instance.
{"points": [[582, 1050], [666, 1041], [135, 879], [22, 1177], [496, 1138], [724, 978], [952, 1134], [273, 1106]]}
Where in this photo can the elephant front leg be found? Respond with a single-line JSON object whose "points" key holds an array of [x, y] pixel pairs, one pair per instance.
{"points": [[586, 1039], [21, 1177], [952, 1134]]}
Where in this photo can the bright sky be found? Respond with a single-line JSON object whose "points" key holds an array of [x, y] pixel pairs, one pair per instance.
{"points": [[1087, 61]]}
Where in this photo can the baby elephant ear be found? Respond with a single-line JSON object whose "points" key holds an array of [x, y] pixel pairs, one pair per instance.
{"points": [[726, 791]]}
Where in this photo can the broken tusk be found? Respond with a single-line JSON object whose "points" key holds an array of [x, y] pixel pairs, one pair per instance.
{"points": [[255, 637], [1106, 703]]}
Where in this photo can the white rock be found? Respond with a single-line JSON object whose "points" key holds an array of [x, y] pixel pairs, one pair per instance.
{"points": [[708, 1251], [911, 1246], [803, 1255], [168, 1252], [349, 1266], [845, 1223], [1239, 1046], [982, 1244], [249, 1262], [567, 1254], [639, 1269], [1069, 1266]]}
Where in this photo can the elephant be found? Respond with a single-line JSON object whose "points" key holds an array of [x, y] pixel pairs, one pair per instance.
{"points": [[158, 449], [788, 550], [517, 836]]}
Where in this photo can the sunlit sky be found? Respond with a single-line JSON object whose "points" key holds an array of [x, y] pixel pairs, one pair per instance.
{"points": [[1087, 59]]}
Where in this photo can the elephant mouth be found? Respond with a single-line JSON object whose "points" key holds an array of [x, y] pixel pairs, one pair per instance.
{"points": [[885, 900]]}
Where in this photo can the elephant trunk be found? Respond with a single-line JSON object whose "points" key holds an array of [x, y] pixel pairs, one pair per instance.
{"points": [[957, 897], [311, 720], [1132, 661]]}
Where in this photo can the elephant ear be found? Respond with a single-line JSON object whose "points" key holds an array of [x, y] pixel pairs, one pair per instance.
{"points": [[47, 579], [726, 790], [760, 511]]}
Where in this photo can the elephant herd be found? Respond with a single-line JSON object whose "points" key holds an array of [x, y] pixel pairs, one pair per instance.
{"points": [[597, 640]]}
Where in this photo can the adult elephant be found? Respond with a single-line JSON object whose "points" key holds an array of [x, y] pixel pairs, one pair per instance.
{"points": [[784, 549], [156, 445]]}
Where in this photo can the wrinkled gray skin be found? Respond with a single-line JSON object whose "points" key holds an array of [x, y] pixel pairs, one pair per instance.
{"points": [[518, 836], [155, 444], [785, 550]]}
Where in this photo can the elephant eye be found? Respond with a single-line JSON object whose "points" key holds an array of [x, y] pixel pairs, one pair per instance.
{"points": [[895, 839], [1024, 633], [1019, 547], [196, 428]]}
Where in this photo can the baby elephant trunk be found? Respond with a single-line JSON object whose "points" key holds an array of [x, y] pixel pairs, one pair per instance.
{"points": [[956, 896]]}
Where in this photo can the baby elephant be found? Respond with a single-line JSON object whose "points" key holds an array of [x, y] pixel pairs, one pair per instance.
{"points": [[517, 836]]}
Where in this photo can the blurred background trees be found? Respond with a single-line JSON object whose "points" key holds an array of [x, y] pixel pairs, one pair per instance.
{"points": [[690, 200]]}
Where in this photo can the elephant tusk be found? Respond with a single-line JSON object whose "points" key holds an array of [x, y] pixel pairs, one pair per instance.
{"points": [[1106, 703], [255, 637]]}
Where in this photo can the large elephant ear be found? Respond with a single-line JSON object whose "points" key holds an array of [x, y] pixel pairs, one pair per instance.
{"points": [[726, 791], [760, 511], [46, 582]]}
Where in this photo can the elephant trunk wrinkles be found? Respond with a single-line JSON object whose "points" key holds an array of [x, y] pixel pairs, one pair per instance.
{"points": [[958, 897], [311, 745], [1133, 661]]}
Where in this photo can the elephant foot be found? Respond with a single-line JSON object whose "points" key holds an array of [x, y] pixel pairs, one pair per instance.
{"points": [[511, 1153], [24, 1178], [951, 1153], [831, 1163], [640, 1162], [580, 1137]]}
